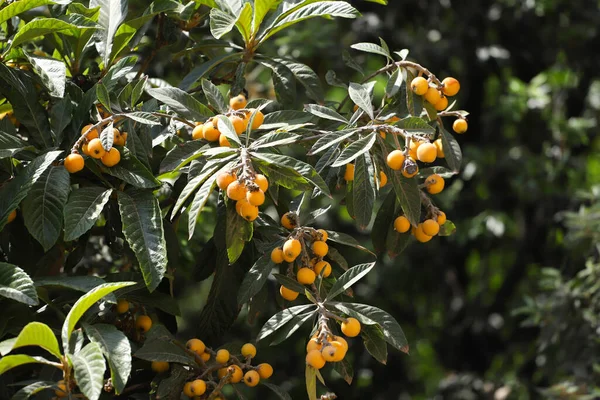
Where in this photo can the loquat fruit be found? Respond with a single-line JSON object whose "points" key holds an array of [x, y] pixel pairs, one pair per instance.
{"points": [[439, 147], [94, 134], [289, 220], [315, 359], [196, 345], [11, 216], [320, 248], [420, 235], [111, 158], [224, 179], [305, 276], [256, 198], [223, 141], [451, 86], [248, 350], [329, 353], [433, 95], [262, 182], [323, 233], [222, 356], [265, 370], [441, 218], [248, 211], [401, 224], [395, 160], [198, 387], [288, 294], [239, 125], [313, 345], [143, 323], [407, 174], [382, 179], [122, 306], [198, 133], [159, 366], [236, 190], [259, 118], [323, 266], [460, 125], [427, 152], [96, 149], [292, 248], [442, 104], [74, 163], [412, 151], [349, 173], [205, 356], [419, 85], [210, 132], [351, 327], [251, 378], [84, 149], [61, 390], [277, 255], [430, 227], [187, 389], [238, 102], [237, 375], [434, 183]]}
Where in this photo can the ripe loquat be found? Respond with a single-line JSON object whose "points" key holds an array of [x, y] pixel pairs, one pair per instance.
{"points": [[239, 125], [187, 389], [320, 248], [251, 378], [451, 86], [382, 179], [277, 255], [256, 197], [401, 224], [420, 235], [122, 306], [419, 85], [198, 387], [96, 149], [262, 182], [74, 163], [111, 158], [159, 366], [238, 102], [439, 147], [349, 173], [196, 345], [442, 104], [305, 276], [143, 323], [441, 219], [248, 350], [224, 179], [323, 266], [351, 327], [223, 141], [236, 190], [94, 134], [288, 294], [11, 216], [430, 227], [323, 233], [434, 183], [289, 220], [460, 125], [292, 248], [315, 359], [265, 370], [395, 160], [198, 133], [427, 152], [248, 211], [433, 95]]}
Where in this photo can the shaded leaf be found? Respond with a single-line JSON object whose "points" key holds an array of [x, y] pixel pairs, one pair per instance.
{"points": [[15, 284], [349, 278], [83, 209], [255, 278]]}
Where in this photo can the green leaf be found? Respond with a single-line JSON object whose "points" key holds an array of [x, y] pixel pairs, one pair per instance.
{"points": [[89, 368], [20, 6], [278, 320], [35, 334], [371, 48], [396, 242], [307, 78], [284, 81], [103, 95], [43, 206], [204, 68], [199, 200], [12, 193], [407, 193], [142, 117], [261, 8], [355, 149], [221, 22], [162, 350], [447, 229], [194, 182], [330, 140], [84, 303], [112, 14], [52, 72], [416, 125], [238, 232], [276, 389], [274, 139], [283, 119], [119, 70], [370, 315], [325, 112], [394, 83], [169, 387], [255, 279], [130, 169], [414, 103], [384, 218], [83, 209], [214, 96], [42, 27], [363, 190], [117, 350], [344, 368], [244, 22], [226, 128], [292, 326], [143, 230], [61, 115], [282, 176], [181, 102], [374, 342], [451, 150], [348, 279], [361, 96], [29, 390], [289, 283], [79, 283], [13, 361], [15, 284], [10, 145], [181, 155], [311, 382], [345, 239]]}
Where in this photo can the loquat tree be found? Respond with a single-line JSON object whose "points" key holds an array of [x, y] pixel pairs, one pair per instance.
{"points": [[110, 174]]}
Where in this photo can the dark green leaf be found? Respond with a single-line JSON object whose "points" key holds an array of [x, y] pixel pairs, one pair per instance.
{"points": [[145, 118], [255, 278], [238, 232], [131, 170], [371, 48], [41, 27], [363, 190], [13, 361], [451, 150], [34, 334], [15, 284], [79, 283], [374, 342], [112, 14], [292, 326], [325, 112], [83, 209], [289, 283], [407, 193], [394, 83], [361, 96], [18, 7], [355, 149], [344, 368], [214, 96], [346, 239], [385, 214], [307, 78], [181, 102], [181, 154], [349, 278], [278, 320], [34, 388], [284, 81], [276, 389]]}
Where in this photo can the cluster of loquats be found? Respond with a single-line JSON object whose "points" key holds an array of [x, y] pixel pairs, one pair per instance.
{"points": [[239, 116], [305, 249], [437, 96], [418, 150], [426, 230], [326, 347], [247, 189], [92, 146]]}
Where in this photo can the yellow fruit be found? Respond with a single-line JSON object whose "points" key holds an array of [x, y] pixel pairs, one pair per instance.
{"points": [[111, 158], [305, 276], [315, 359], [430, 227], [441, 219], [439, 147], [236, 191], [265, 370], [198, 387], [419, 85], [210, 132], [341, 341], [222, 372], [313, 345], [406, 174], [414, 145], [395, 160], [433, 95], [259, 117], [289, 220], [238, 206], [292, 248], [123, 138], [288, 258], [196, 345], [420, 235], [277, 255], [237, 375], [329, 353], [441, 104], [74, 163], [223, 141], [323, 265], [288, 294], [84, 149], [205, 356], [248, 350], [342, 347], [256, 198], [323, 233], [143, 323], [251, 378], [248, 211], [239, 125], [320, 248], [116, 136], [11, 216], [351, 327], [427, 152], [187, 389], [451, 86], [94, 134], [262, 182], [238, 102], [160, 366], [401, 224], [382, 179], [96, 149], [198, 133], [434, 183], [349, 173], [224, 179], [460, 125], [122, 306], [222, 356], [62, 389]]}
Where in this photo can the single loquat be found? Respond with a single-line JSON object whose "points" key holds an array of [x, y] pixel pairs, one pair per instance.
{"points": [[277, 255], [382, 179], [111, 158], [210, 132], [251, 378], [236, 190], [412, 150], [395, 160], [323, 233], [439, 147], [292, 248], [313, 344], [451, 86], [460, 125], [419, 85], [94, 134], [248, 211], [256, 197], [74, 163], [238, 102], [61, 389], [420, 235], [239, 125], [265, 370], [442, 104], [237, 374], [288, 294], [289, 220], [433, 95], [259, 118], [159, 366], [198, 387], [223, 141], [187, 389], [401, 224], [222, 356], [407, 174], [349, 173], [320, 248], [305, 276], [96, 149], [441, 218], [197, 132], [196, 345], [11, 216], [262, 182], [143, 323], [351, 327], [430, 227], [323, 266], [329, 353], [205, 356], [427, 152], [248, 350], [224, 179], [434, 183], [122, 306], [315, 359]]}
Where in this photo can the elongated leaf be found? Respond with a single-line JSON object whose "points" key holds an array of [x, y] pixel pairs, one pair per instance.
{"points": [[407, 193], [53, 73], [244, 22], [15, 284], [307, 78], [194, 182], [292, 326], [355, 150], [43, 206], [181, 155], [32, 389], [361, 96], [311, 382], [396, 242], [89, 368], [83, 209], [163, 350], [204, 68], [117, 350], [35, 334], [112, 14], [13, 361], [289, 283], [325, 112], [329, 140], [261, 8], [371, 48], [349, 278], [84, 303], [255, 278], [130, 169], [20, 6], [384, 218], [277, 390], [41, 27], [416, 125], [61, 115], [214, 96], [221, 22], [198, 202], [374, 342], [9, 144], [344, 368], [274, 139], [238, 231], [394, 83], [103, 96], [284, 81], [363, 190], [226, 128], [451, 150], [143, 118], [182, 103], [345, 239], [143, 229], [278, 320], [79, 283]]}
